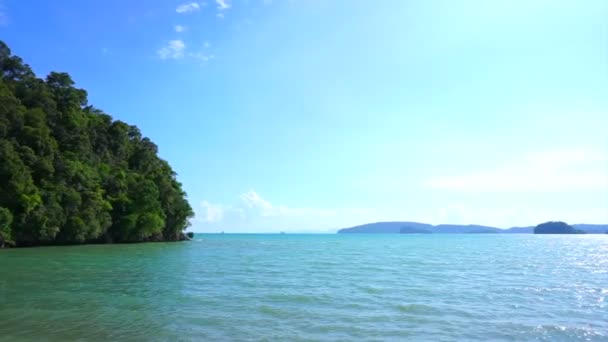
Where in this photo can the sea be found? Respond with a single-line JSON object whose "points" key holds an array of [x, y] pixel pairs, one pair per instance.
{"points": [[298, 287]]}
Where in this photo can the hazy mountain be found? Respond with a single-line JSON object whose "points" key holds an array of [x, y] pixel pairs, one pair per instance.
{"points": [[405, 227], [384, 227], [518, 230], [462, 229], [413, 230], [592, 228]]}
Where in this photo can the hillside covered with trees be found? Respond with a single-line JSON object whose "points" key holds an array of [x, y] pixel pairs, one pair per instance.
{"points": [[71, 174]]}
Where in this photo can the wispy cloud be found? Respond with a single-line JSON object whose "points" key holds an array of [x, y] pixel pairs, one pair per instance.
{"points": [[211, 212], [202, 56], [252, 200], [180, 28], [252, 211], [188, 7], [3, 15], [567, 170], [222, 4], [175, 49]]}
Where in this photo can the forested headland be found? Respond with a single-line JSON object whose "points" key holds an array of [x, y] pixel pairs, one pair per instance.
{"points": [[71, 174]]}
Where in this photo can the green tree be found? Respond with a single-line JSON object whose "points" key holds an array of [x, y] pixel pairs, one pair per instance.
{"points": [[69, 173], [6, 219]]}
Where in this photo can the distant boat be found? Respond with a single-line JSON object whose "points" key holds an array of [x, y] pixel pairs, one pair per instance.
{"points": [[282, 232], [222, 232]]}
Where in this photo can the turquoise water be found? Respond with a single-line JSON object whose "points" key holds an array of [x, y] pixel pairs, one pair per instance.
{"points": [[311, 287]]}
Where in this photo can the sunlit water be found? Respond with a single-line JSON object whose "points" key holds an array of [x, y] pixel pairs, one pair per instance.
{"points": [[311, 287]]}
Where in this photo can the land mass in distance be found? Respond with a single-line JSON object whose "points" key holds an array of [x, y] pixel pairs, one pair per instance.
{"points": [[406, 227]]}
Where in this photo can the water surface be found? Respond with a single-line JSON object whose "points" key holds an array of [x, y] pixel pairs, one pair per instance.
{"points": [[311, 288]]}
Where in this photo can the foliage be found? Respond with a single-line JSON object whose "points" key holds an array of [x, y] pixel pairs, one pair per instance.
{"points": [[6, 219], [69, 173]]}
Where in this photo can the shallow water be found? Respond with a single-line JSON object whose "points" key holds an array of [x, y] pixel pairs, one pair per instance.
{"points": [[311, 287]]}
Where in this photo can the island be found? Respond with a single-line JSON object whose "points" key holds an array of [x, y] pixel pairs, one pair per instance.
{"points": [[71, 174], [409, 227], [414, 230], [556, 227]]}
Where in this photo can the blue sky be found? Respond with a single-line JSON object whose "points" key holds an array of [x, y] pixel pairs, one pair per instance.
{"points": [[312, 115]]}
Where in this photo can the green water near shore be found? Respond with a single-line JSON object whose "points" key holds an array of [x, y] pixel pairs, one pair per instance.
{"points": [[311, 287]]}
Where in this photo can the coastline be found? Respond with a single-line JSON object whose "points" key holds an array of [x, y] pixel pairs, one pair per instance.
{"points": [[181, 238]]}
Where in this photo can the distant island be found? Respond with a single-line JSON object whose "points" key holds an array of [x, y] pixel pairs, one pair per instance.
{"points": [[405, 227], [556, 227], [70, 174]]}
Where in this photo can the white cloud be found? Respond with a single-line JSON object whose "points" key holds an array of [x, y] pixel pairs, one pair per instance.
{"points": [[188, 7], [180, 28], [212, 212], [206, 45], [567, 170], [202, 56], [220, 15], [222, 4], [3, 15], [251, 199], [254, 213], [174, 49]]}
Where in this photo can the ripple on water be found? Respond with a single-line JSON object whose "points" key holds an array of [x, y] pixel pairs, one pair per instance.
{"points": [[418, 309], [311, 287]]}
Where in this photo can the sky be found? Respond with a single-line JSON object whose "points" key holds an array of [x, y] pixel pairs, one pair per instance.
{"points": [[314, 115]]}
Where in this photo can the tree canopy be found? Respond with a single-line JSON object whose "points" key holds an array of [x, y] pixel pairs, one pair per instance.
{"points": [[69, 173]]}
